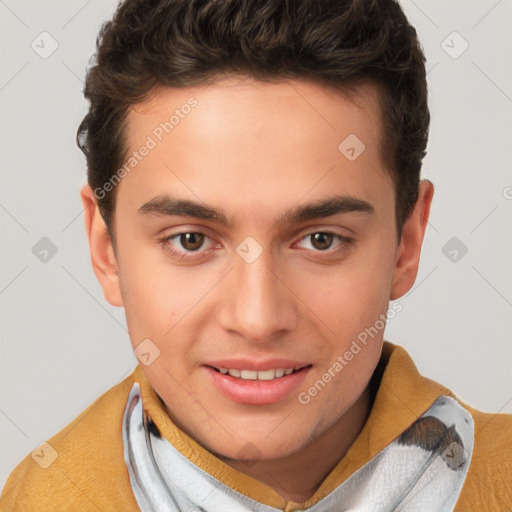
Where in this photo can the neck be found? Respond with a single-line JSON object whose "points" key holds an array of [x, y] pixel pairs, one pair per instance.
{"points": [[286, 475]]}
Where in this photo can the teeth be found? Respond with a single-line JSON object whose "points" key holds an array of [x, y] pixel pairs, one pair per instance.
{"points": [[255, 375], [248, 374], [264, 375]]}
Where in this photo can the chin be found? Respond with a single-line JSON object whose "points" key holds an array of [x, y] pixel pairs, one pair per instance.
{"points": [[254, 448]]}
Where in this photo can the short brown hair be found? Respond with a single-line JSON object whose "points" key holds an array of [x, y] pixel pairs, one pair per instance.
{"points": [[180, 43]]}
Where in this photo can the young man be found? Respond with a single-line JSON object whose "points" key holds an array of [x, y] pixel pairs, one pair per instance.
{"points": [[254, 204]]}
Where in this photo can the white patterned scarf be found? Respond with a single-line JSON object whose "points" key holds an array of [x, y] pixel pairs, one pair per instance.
{"points": [[423, 470]]}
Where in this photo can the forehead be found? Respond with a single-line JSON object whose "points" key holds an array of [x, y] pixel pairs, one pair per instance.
{"points": [[235, 101], [244, 141]]}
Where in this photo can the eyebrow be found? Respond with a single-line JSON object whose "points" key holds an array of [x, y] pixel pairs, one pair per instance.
{"points": [[166, 205]]}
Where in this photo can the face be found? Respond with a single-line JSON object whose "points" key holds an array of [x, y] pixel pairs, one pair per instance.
{"points": [[284, 254]]}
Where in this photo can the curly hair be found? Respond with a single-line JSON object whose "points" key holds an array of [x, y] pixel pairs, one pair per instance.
{"points": [[335, 43]]}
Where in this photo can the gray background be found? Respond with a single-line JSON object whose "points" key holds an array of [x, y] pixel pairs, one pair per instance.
{"points": [[62, 344]]}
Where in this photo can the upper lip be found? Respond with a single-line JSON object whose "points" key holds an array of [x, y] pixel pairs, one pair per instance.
{"points": [[251, 364]]}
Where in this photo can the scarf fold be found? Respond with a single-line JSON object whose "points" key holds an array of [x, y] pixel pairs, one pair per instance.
{"points": [[422, 470]]}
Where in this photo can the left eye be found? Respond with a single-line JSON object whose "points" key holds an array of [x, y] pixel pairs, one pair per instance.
{"points": [[323, 240], [190, 241]]}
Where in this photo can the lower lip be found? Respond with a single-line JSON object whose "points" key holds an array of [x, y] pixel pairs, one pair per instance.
{"points": [[257, 392]]}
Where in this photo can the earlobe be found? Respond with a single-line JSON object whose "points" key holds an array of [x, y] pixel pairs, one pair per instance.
{"points": [[103, 258], [408, 252]]}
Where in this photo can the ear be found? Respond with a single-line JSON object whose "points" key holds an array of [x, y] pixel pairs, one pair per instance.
{"points": [[408, 253], [103, 257]]}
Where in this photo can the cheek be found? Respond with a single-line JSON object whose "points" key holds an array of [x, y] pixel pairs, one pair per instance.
{"points": [[159, 303], [350, 382], [152, 298], [350, 303], [350, 298]]}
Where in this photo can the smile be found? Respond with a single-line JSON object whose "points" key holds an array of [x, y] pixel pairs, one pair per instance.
{"points": [[257, 375], [256, 387]]}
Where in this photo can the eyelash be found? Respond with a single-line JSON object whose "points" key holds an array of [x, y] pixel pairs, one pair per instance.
{"points": [[345, 244]]}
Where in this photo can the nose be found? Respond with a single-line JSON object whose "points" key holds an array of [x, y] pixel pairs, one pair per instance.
{"points": [[258, 305]]}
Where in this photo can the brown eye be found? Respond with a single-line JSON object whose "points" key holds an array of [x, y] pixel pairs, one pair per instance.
{"points": [[191, 241], [188, 245], [326, 244], [321, 240]]}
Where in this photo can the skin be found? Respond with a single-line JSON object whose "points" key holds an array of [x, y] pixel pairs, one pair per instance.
{"points": [[254, 150]]}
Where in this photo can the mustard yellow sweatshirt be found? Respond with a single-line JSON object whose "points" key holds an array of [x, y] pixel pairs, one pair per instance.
{"points": [[82, 467]]}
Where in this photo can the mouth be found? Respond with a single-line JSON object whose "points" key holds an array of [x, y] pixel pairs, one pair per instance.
{"points": [[253, 387], [266, 375]]}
